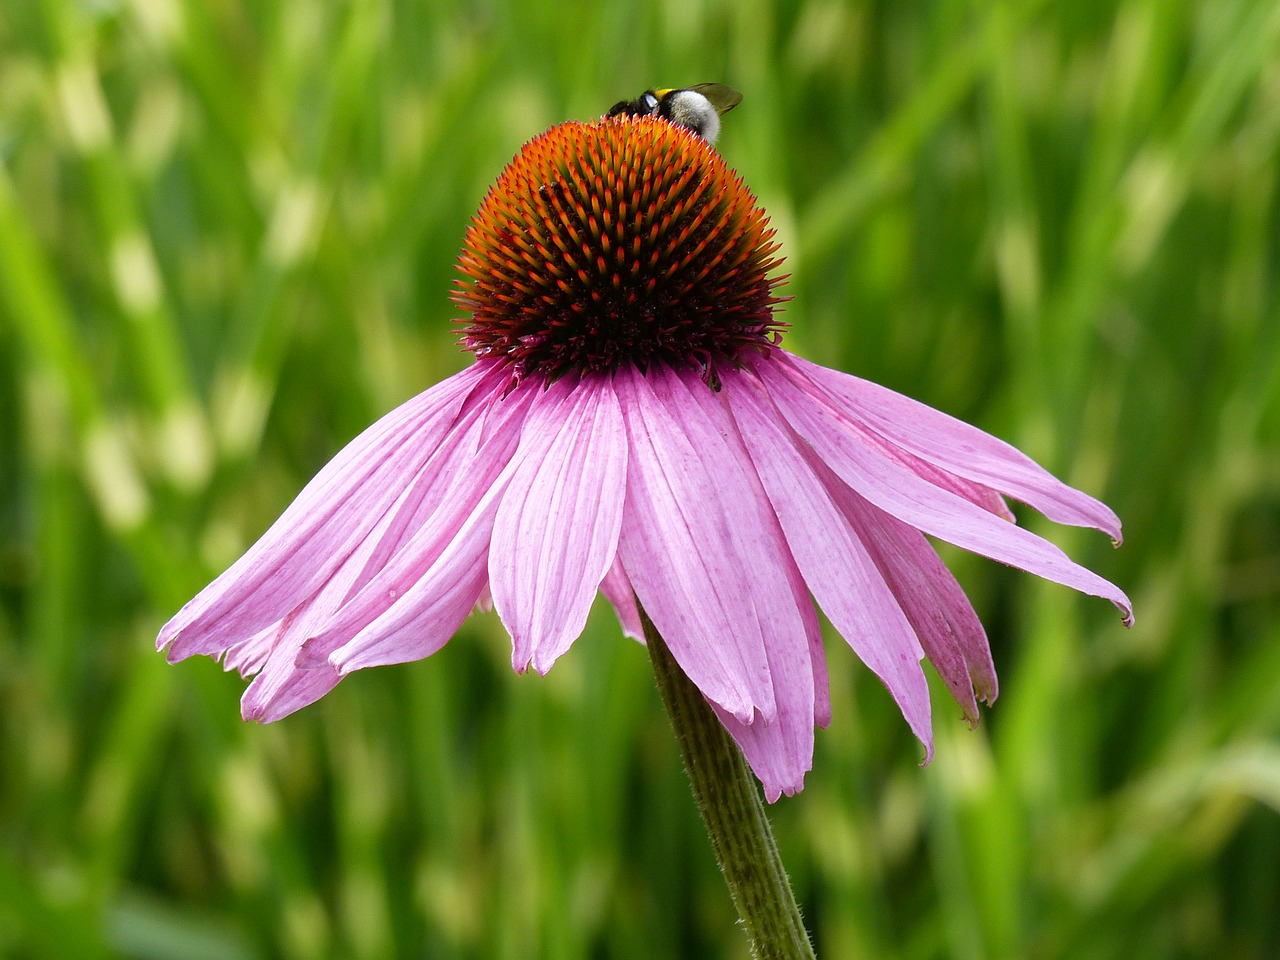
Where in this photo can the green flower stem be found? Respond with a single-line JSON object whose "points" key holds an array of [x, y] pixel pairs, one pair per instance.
{"points": [[729, 800]]}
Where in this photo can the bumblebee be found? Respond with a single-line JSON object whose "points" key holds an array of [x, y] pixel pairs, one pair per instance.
{"points": [[699, 108]]}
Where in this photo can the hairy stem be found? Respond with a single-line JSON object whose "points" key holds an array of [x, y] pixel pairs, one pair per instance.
{"points": [[729, 800]]}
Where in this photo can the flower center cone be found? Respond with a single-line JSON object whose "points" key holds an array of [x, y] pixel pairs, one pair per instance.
{"points": [[627, 240]]}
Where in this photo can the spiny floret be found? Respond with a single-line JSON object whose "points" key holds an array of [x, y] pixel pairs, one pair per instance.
{"points": [[624, 240]]}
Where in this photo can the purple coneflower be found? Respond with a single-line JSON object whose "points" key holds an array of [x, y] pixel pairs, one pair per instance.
{"points": [[632, 426]]}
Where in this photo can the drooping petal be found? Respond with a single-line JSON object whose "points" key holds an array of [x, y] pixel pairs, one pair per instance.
{"points": [[711, 567], [323, 525], [447, 474], [680, 553], [281, 688], [944, 621], [422, 620], [617, 589], [556, 530], [277, 692], [248, 656], [904, 495], [976, 493], [701, 545], [781, 753], [842, 576], [412, 604], [817, 653], [284, 686], [959, 448]]}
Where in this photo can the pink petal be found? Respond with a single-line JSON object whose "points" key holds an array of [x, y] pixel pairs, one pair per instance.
{"points": [[618, 591], [556, 531], [450, 465], [817, 654], [976, 493], [781, 753], [904, 495], [680, 552], [710, 565], [323, 525], [284, 685], [959, 448], [281, 688], [843, 577], [949, 631], [422, 620], [415, 601], [775, 752], [248, 656]]}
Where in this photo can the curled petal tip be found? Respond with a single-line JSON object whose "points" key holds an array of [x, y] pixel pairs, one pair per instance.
{"points": [[167, 638], [1125, 606], [742, 710], [926, 740], [765, 717], [986, 694]]}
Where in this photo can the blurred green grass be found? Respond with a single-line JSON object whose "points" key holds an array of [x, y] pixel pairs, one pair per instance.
{"points": [[226, 240]]}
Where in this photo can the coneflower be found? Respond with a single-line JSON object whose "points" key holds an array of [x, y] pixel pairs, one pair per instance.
{"points": [[631, 425]]}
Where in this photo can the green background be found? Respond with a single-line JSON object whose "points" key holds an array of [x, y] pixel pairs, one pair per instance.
{"points": [[227, 234]]}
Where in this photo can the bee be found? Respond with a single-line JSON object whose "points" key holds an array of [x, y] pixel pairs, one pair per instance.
{"points": [[699, 108]]}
